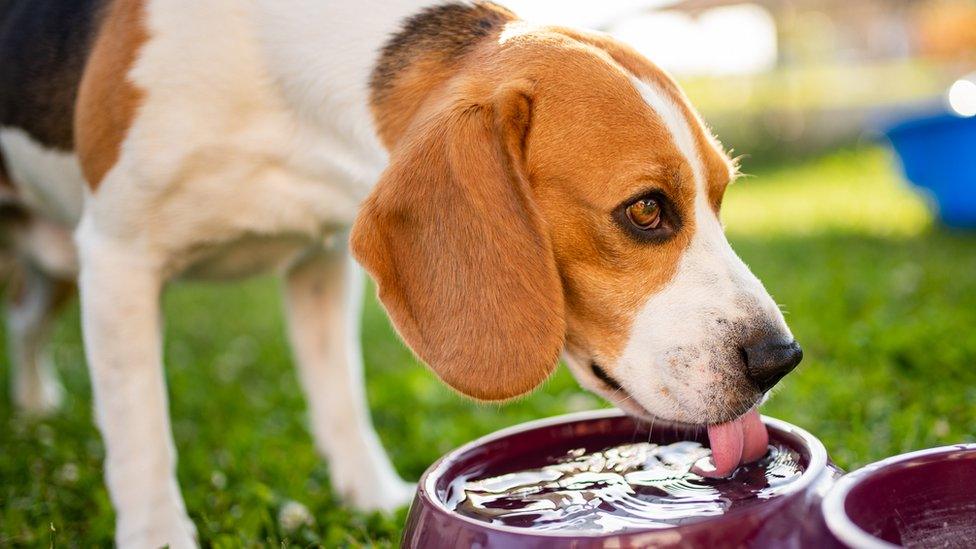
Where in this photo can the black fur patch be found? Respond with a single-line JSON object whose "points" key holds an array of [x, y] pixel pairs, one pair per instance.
{"points": [[43, 48], [446, 31]]}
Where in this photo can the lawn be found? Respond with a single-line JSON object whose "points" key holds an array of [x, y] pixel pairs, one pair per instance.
{"points": [[883, 302]]}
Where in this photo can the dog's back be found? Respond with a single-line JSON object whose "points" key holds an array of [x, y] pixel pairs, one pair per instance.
{"points": [[44, 45], [43, 49]]}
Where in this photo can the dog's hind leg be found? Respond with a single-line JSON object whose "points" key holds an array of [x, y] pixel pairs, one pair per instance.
{"points": [[41, 282], [120, 284], [33, 300], [323, 297]]}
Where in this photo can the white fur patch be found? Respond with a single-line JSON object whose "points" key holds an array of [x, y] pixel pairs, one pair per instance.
{"points": [[265, 132], [47, 180]]}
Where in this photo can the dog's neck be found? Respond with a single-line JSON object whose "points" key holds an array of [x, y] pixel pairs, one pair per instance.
{"points": [[421, 58], [319, 55], [361, 70]]}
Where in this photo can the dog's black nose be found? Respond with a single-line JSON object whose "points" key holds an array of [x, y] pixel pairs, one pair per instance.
{"points": [[768, 361]]}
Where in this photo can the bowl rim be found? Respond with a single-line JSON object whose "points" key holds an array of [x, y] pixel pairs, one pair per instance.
{"points": [[427, 489], [833, 505]]}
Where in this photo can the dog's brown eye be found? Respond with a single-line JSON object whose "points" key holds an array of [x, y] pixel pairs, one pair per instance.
{"points": [[645, 213]]}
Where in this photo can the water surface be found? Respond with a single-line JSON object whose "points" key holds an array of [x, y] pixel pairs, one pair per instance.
{"points": [[624, 487]]}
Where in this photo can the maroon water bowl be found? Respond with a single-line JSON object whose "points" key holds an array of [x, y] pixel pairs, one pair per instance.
{"points": [[789, 519], [920, 499]]}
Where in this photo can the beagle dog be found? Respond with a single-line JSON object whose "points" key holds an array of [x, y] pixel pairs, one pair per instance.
{"points": [[518, 192]]}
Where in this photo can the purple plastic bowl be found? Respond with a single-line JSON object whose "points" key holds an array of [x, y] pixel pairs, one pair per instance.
{"points": [[923, 499], [791, 519]]}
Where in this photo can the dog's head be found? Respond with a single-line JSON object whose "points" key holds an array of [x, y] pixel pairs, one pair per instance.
{"points": [[559, 193]]}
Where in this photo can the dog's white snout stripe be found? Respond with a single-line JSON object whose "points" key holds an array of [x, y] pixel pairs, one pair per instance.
{"points": [[675, 347], [677, 124]]}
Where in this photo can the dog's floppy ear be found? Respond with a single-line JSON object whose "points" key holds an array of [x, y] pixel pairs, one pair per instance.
{"points": [[459, 250]]}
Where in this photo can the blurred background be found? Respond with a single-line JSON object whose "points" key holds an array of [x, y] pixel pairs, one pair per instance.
{"points": [[877, 286], [777, 78]]}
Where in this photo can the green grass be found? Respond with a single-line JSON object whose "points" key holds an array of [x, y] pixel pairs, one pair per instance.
{"points": [[883, 302], [819, 87]]}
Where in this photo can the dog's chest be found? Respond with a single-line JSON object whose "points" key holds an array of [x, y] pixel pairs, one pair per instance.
{"points": [[250, 254], [232, 224]]}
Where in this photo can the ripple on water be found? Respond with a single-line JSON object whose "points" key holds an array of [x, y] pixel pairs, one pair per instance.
{"points": [[624, 487]]}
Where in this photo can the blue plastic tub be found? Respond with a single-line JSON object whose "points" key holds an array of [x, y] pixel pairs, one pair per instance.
{"points": [[938, 154]]}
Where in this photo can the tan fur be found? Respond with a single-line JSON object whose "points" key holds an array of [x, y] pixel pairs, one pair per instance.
{"points": [[592, 142], [429, 49], [455, 201], [107, 99], [718, 168]]}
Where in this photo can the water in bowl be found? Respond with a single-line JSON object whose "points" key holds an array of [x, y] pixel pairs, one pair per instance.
{"points": [[623, 487]]}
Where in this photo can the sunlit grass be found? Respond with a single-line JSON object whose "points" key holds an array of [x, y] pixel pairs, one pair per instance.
{"points": [[853, 192], [820, 87]]}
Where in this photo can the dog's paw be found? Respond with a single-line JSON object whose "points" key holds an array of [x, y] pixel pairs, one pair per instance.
{"points": [[388, 499], [164, 528], [39, 395]]}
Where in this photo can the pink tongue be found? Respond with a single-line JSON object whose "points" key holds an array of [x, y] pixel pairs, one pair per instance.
{"points": [[726, 442], [739, 441], [754, 436]]}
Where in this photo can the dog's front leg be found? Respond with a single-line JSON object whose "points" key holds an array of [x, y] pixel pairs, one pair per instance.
{"points": [[120, 286], [323, 295]]}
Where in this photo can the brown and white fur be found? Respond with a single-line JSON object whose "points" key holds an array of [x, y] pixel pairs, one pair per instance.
{"points": [[481, 163]]}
